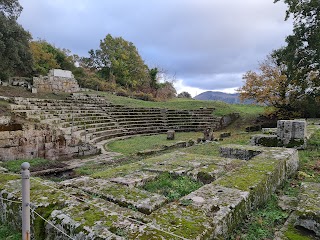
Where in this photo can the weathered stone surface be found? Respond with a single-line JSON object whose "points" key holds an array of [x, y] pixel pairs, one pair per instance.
{"points": [[135, 179], [287, 203], [210, 172], [57, 81], [245, 153], [225, 135], [308, 210], [144, 201], [5, 120], [292, 133], [34, 90], [208, 134], [262, 174], [38, 140], [264, 140], [98, 219], [170, 135], [60, 73], [272, 131]]}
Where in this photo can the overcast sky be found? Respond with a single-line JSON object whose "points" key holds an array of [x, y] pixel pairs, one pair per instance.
{"points": [[206, 44]]}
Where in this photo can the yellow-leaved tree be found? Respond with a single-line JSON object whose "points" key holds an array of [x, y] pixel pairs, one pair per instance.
{"points": [[269, 86]]}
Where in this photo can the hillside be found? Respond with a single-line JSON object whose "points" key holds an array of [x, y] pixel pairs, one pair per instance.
{"points": [[232, 98]]}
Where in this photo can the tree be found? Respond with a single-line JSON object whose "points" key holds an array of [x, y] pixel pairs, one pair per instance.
{"points": [[166, 91], [184, 95], [119, 60], [43, 60], [270, 86], [46, 57], [14, 48], [10, 8], [301, 55], [292, 81]]}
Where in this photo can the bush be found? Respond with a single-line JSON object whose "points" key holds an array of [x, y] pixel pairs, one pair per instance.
{"points": [[143, 96], [121, 92]]}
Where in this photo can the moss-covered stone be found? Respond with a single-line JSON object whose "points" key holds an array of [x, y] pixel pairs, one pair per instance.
{"points": [[264, 140], [308, 209], [142, 200]]}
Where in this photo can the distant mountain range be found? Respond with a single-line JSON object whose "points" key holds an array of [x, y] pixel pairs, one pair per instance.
{"points": [[232, 98]]}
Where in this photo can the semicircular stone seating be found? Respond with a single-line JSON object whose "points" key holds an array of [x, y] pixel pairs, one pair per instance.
{"points": [[94, 119]]}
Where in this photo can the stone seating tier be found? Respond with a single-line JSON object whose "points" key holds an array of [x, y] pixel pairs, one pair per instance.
{"points": [[100, 125], [97, 119]]}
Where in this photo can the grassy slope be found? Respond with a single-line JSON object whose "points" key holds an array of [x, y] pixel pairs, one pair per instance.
{"points": [[188, 104]]}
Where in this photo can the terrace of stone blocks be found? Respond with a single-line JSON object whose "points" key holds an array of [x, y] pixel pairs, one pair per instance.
{"points": [[114, 203], [95, 119]]}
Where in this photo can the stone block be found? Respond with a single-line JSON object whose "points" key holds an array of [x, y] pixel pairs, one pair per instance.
{"points": [[245, 153], [292, 133], [264, 140], [272, 131], [34, 90], [208, 134], [5, 120], [308, 210], [225, 135], [170, 135]]}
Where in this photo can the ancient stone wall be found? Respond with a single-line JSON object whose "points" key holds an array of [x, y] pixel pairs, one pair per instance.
{"points": [[35, 140], [57, 81]]}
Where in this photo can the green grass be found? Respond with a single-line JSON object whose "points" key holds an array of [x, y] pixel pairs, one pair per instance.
{"points": [[173, 187], [15, 165], [261, 223], [310, 159], [141, 143], [212, 149], [7, 233]]}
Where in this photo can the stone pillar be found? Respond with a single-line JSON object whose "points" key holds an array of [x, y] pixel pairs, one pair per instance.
{"points": [[208, 134], [170, 134], [292, 133]]}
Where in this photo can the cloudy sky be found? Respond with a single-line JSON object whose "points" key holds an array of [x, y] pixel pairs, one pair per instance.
{"points": [[205, 44]]}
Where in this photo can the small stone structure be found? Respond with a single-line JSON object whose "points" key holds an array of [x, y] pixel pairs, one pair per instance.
{"points": [[208, 134], [170, 134], [57, 81], [289, 133], [292, 133]]}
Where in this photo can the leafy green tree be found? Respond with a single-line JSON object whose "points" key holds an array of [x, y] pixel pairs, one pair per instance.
{"points": [[10, 8], [14, 42], [301, 55], [119, 60], [46, 57]]}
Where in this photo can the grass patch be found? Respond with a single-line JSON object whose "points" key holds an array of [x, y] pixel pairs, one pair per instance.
{"points": [[12, 91], [212, 149], [141, 143], [173, 187], [7, 233], [310, 159], [35, 164], [261, 223]]}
